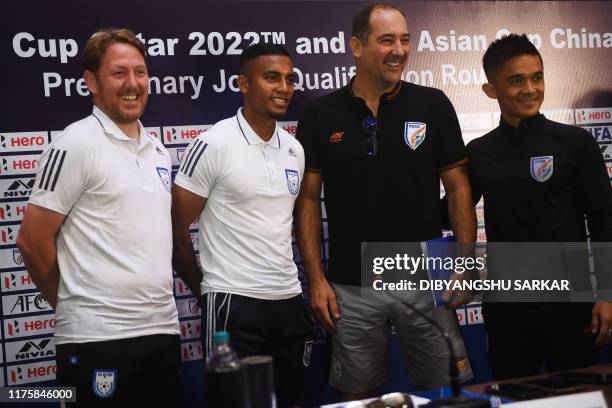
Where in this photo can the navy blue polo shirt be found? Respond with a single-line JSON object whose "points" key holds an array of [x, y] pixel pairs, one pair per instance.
{"points": [[395, 196]]}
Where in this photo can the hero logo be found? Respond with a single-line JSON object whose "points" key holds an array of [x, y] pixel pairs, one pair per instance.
{"points": [[600, 133], [27, 373], [23, 141], [12, 211], [191, 329], [181, 288], [153, 131], [17, 281], [28, 303], [192, 351], [461, 316], [18, 165], [29, 326], [183, 134], [474, 315], [29, 349], [16, 375], [597, 115], [7, 235], [18, 188]]}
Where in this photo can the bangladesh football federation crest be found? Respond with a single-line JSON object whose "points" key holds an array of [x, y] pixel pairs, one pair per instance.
{"points": [[104, 382], [164, 176], [541, 168], [414, 133], [293, 181]]}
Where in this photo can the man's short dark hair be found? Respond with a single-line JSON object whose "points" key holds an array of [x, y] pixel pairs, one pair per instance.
{"points": [[257, 50], [504, 49], [96, 46], [361, 20]]}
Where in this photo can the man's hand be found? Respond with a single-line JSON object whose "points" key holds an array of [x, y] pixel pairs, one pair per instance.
{"points": [[601, 322], [323, 303], [457, 297]]}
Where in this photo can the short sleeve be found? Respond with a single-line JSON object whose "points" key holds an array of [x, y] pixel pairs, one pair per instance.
{"points": [[63, 173], [449, 147], [308, 135], [199, 170]]}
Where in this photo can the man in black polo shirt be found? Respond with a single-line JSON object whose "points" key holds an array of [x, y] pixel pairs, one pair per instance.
{"points": [[380, 146], [539, 179]]}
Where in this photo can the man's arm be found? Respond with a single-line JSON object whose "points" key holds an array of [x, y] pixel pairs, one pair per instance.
{"points": [[462, 217], [36, 241], [308, 233], [186, 206], [460, 204], [595, 196]]}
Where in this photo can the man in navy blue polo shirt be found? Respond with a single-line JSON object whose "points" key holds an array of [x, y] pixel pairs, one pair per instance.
{"points": [[381, 147]]}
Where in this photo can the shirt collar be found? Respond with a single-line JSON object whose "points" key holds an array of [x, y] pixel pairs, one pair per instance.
{"points": [[526, 124], [253, 138], [112, 130], [387, 95]]}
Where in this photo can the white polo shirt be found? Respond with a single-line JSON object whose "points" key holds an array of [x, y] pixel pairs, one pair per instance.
{"points": [[245, 227], [114, 249]]}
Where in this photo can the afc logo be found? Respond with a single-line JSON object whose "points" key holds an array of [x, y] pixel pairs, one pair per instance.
{"points": [[31, 302]]}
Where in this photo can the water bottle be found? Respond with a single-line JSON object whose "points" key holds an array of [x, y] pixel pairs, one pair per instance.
{"points": [[226, 385]]}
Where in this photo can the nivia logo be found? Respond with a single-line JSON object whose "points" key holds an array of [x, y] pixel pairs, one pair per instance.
{"points": [[2, 141], [35, 349], [19, 188]]}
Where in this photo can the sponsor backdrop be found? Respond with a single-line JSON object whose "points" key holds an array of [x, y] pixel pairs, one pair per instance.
{"points": [[193, 49]]}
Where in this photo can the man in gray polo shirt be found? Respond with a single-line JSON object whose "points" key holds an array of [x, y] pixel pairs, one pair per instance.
{"points": [[241, 178]]}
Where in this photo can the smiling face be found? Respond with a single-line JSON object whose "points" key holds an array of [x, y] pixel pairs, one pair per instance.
{"points": [[267, 86], [381, 60], [120, 86], [518, 87]]}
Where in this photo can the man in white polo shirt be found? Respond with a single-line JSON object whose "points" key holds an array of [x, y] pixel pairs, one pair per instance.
{"points": [[241, 178], [96, 239]]}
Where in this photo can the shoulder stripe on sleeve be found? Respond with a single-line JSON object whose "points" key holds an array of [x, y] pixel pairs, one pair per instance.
{"points": [[189, 156], [193, 157], [52, 169]]}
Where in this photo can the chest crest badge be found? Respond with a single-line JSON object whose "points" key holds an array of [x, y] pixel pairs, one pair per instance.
{"points": [[293, 181], [541, 168], [164, 176], [414, 133]]}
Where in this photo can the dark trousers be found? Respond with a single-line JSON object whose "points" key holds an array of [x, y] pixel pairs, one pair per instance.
{"points": [[282, 329], [140, 371], [520, 347]]}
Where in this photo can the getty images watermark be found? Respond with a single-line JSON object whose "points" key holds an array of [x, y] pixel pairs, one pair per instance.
{"points": [[457, 265], [500, 271]]}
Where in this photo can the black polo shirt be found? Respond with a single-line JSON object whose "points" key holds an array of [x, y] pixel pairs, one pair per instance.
{"points": [[393, 197], [522, 205], [539, 181]]}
